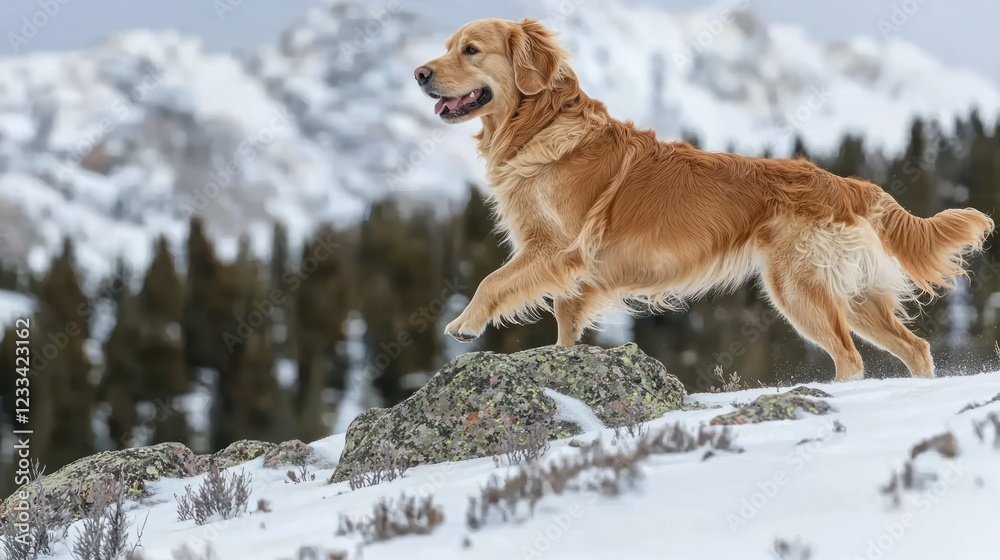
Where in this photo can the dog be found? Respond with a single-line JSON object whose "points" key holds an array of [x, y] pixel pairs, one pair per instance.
{"points": [[600, 214]]}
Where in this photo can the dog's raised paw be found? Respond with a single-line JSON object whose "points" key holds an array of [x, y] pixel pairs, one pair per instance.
{"points": [[457, 330], [462, 337]]}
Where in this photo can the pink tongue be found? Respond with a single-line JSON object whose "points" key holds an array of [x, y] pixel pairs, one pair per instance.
{"points": [[452, 103]]}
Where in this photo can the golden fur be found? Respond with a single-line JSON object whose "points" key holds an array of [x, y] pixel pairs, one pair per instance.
{"points": [[599, 213]]}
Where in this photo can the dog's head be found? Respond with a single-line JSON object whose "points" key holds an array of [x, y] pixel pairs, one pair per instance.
{"points": [[490, 66]]}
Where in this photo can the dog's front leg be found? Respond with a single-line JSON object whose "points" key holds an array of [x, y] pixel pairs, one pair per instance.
{"points": [[512, 289]]}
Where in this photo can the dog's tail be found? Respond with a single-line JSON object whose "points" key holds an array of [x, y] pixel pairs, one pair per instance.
{"points": [[932, 251]]}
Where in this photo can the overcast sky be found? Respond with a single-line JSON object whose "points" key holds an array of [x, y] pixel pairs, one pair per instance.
{"points": [[959, 32]]}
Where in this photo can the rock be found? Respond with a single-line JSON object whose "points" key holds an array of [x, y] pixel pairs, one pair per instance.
{"points": [[804, 391], [239, 452], [622, 385], [458, 414], [292, 452], [66, 487], [462, 411], [766, 408]]}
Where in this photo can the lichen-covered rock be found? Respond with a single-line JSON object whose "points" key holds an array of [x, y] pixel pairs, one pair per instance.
{"points": [[622, 385], [804, 391], [66, 487], [239, 452], [786, 406], [462, 411], [459, 414], [292, 452]]}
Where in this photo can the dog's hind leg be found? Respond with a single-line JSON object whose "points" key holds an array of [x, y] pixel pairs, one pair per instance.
{"points": [[811, 307], [574, 312], [873, 318]]}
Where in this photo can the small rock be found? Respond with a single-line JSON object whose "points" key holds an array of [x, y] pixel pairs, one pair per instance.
{"points": [[292, 452], [766, 408], [239, 452], [804, 391]]}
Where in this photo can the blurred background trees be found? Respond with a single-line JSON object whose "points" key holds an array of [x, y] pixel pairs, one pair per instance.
{"points": [[208, 352]]}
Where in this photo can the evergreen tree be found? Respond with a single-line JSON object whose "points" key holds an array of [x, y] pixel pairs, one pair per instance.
{"points": [[799, 148], [160, 344], [122, 381], [60, 362], [401, 260], [213, 338], [322, 295], [850, 160]]}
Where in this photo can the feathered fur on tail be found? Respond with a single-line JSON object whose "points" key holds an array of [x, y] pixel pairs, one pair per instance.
{"points": [[932, 251]]}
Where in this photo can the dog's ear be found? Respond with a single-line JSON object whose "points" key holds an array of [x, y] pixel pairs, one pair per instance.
{"points": [[536, 56]]}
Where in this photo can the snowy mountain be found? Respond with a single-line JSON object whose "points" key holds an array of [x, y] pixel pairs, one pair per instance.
{"points": [[817, 488], [122, 141]]}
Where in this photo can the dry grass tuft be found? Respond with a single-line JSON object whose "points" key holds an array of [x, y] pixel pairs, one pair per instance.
{"points": [[394, 518]]}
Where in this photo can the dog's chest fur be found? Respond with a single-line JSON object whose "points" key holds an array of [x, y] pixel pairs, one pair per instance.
{"points": [[526, 190], [523, 205]]}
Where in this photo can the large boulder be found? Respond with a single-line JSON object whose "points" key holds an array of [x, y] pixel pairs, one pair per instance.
{"points": [[66, 488], [467, 408], [461, 413]]}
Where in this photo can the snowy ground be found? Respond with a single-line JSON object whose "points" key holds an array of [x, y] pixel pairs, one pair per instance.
{"points": [[824, 493]]}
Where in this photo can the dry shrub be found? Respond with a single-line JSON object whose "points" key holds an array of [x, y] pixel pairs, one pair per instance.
{"points": [[26, 534], [224, 494], [104, 528], [408, 515], [529, 447], [593, 469]]}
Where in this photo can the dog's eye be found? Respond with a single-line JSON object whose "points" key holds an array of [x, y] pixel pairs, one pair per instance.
{"points": [[470, 50]]}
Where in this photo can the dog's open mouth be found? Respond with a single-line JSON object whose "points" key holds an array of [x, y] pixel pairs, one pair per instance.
{"points": [[456, 107]]}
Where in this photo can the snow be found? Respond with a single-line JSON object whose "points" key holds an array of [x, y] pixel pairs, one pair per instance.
{"points": [[800, 480], [575, 411]]}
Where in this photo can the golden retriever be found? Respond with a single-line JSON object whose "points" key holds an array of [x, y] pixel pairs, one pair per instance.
{"points": [[600, 213]]}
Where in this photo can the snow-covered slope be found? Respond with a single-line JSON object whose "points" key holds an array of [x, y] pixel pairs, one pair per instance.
{"points": [[815, 481], [122, 141]]}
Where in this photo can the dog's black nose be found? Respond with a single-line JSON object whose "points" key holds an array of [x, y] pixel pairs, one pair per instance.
{"points": [[422, 74]]}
